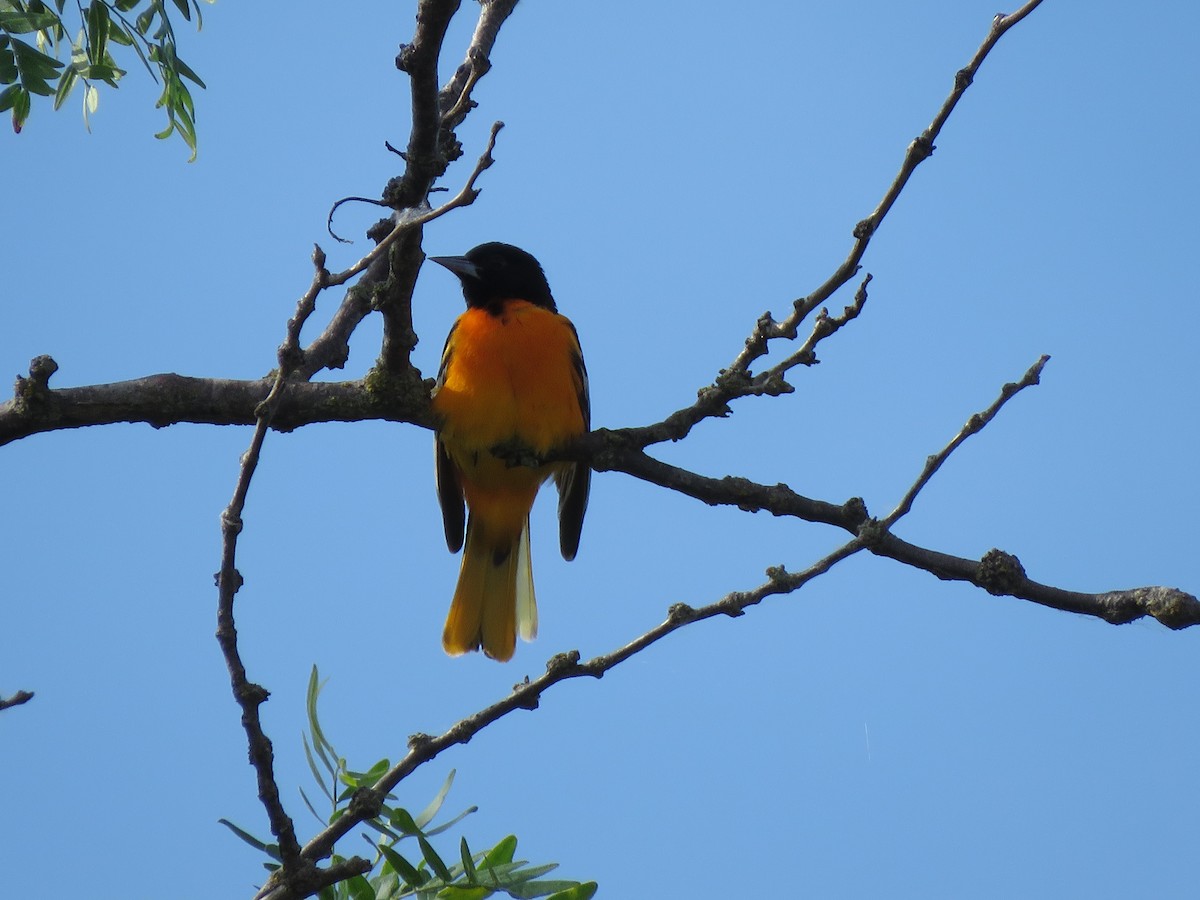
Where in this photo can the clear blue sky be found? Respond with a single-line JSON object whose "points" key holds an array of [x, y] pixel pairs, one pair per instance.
{"points": [[678, 170]]}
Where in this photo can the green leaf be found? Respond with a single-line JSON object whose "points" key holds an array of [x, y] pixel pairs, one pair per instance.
{"points": [[402, 866], [244, 835], [502, 852], [312, 809], [145, 19], [103, 72], [65, 85], [91, 99], [321, 745], [118, 35], [34, 68], [531, 890], [426, 815], [386, 886], [8, 62], [97, 18], [182, 6], [430, 832], [316, 773], [459, 892], [585, 891], [402, 820], [186, 71], [382, 829], [373, 774], [435, 861], [27, 21], [360, 888], [468, 864], [8, 97], [521, 875]]}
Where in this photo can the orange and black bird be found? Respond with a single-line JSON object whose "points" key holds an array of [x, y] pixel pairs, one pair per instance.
{"points": [[511, 388]]}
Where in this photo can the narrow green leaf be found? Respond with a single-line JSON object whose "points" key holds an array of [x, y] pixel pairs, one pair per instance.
{"points": [[97, 18], [426, 815], [182, 6], [502, 852], [360, 888], [33, 65], [244, 835], [403, 867], [27, 21], [118, 35], [91, 100], [102, 72], [430, 832], [320, 744], [145, 19], [186, 71], [8, 62], [65, 85], [585, 891], [8, 97], [316, 773], [137, 47], [435, 861], [531, 890], [402, 820], [312, 809], [461, 892], [382, 829], [387, 886], [521, 874], [468, 864]]}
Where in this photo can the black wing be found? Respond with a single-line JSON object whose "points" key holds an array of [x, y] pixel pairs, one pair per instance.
{"points": [[575, 480], [449, 490]]}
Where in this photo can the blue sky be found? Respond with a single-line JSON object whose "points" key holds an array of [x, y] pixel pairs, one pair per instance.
{"points": [[678, 172]]}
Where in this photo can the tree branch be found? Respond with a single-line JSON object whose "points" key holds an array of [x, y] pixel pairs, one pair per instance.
{"points": [[17, 699], [563, 667], [974, 425], [167, 399], [736, 381]]}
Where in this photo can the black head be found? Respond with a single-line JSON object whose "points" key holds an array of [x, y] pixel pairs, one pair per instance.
{"points": [[494, 272]]}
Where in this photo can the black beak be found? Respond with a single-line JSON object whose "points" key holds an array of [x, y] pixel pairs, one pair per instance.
{"points": [[459, 265]]}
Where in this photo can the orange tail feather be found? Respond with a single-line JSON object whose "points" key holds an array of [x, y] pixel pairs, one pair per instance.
{"points": [[494, 596]]}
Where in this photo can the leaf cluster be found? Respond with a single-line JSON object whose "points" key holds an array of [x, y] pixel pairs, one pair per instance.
{"points": [[392, 875], [35, 36]]}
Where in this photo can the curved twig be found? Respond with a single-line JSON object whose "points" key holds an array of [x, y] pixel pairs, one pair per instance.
{"points": [[334, 208]]}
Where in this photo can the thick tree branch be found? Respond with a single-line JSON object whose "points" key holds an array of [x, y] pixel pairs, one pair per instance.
{"points": [[162, 400], [432, 146]]}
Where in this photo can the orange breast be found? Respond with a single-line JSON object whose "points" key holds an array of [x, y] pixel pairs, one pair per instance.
{"points": [[510, 377]]}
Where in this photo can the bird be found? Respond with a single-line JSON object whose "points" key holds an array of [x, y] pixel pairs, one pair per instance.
{"points": [[512, 387]]}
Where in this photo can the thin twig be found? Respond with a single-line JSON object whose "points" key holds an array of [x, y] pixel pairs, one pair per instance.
{"points": [[334, 208], [735, 381], [563, 667], [17, 699], [251, 696], [465, 197], [974, 425]]}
